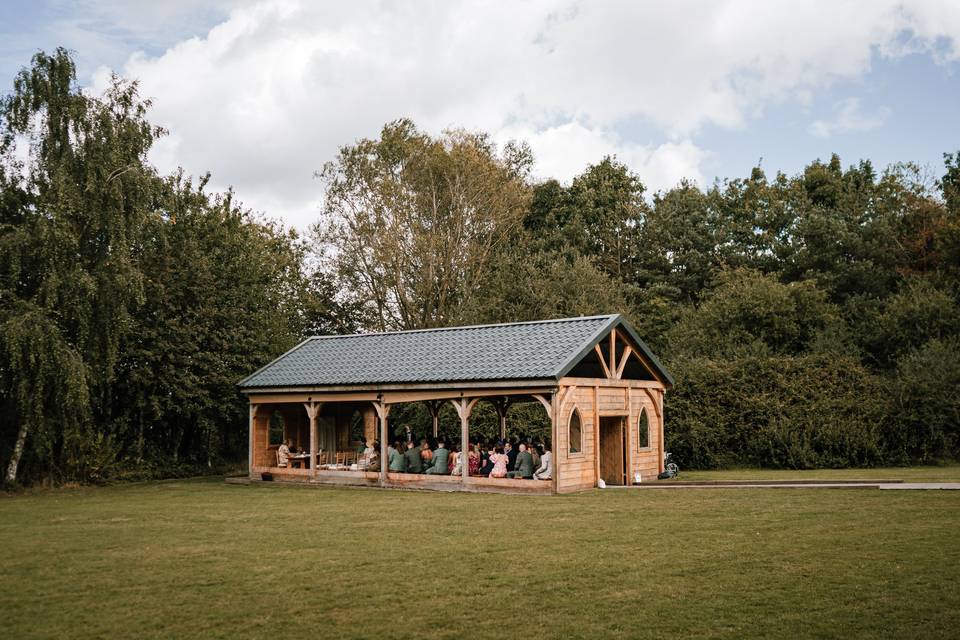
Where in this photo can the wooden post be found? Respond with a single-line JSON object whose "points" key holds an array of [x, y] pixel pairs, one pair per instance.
{"points": [[596, 434], [253, 427], [434, 407], [502, 406], [663, 449], [554, 411], [628, 440], [313, 410], [382, 411], [464, 407]]}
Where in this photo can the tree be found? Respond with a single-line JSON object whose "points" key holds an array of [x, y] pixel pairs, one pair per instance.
{"points": [[749, 312], [130, 303], [411, 223], [71, 218]]}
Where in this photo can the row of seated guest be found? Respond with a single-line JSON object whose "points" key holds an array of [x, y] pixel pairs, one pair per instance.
{"points": [[510, 459]]}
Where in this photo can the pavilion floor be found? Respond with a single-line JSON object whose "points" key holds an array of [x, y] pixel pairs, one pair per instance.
{"points": [[403, 481]]}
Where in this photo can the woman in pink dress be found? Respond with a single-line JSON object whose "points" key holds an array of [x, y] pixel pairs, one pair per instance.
{"points": [[473, 459], [499, 460]]}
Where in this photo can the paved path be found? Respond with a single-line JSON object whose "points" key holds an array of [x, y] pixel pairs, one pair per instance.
{"points": [[803, 485], [923, 485]]}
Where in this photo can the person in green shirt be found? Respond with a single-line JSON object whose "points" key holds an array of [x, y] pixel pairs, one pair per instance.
{"points": [[397, 463], [440, 459], [412, 458], [524, 466]]}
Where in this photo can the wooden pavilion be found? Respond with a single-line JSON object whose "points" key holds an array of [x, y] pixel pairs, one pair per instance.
{"points": [[601, 387]]}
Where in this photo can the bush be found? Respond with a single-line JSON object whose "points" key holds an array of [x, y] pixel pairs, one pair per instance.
{"points": [[925, 426], [787, 412]]}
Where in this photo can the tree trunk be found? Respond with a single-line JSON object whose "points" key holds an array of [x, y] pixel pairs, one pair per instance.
{"points": [[140, 440], [17, 452]]}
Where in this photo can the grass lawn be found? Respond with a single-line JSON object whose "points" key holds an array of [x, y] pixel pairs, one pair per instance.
{"points": [[945, 473], [199, 559]]}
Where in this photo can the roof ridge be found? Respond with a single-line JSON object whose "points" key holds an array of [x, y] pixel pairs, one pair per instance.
{"points": [[464, 327]]}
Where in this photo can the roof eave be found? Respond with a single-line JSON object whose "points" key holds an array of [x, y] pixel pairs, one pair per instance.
{"points": [[404, 386]]}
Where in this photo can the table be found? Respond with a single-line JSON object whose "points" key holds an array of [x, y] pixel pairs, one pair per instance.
{"points": [[298, 459]]}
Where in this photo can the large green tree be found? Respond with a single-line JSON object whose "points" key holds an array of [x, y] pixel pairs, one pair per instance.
{"points": [[130, 303], [73, 211], [412, 222]]}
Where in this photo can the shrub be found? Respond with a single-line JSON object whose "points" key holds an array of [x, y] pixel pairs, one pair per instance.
{"points": [[789, 412]]}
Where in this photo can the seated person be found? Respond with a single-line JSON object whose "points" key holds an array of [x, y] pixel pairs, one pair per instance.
{"points": [[486, 464], [426, 453], [373, 462], [499, 460], [397, 463], [545, 471], [453, 463], [368, 449], [441, 457], [414, 464], [511, 452], [524, 464], [473, 460], [283, 454]]}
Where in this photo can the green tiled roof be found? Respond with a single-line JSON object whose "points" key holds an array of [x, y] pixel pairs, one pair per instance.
{"points": [[538, 350]]}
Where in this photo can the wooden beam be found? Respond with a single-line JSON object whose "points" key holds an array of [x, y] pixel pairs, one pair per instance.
{"points": [[604, 382], [383, 410], [396, 397], [623, 362], [374, 390], [613, 352], [660, 420], [313, 410], [596, 434], [603, 361], [628, 458], [653, 400], [547, 404], [502, 405], [464, 408], [434, 407], [253, 427], [553, 412], [566, 393]]}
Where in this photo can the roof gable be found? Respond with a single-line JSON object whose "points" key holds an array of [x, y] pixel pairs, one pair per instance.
{"points": [[537, 350]]}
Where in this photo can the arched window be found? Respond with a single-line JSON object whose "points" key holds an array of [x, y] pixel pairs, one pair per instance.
{"points": [[575, 431], [643, 429], [277, 428]]}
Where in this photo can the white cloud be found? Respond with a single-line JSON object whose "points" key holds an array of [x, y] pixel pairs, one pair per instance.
{"points": [[563, 152], [848, 117], [269, 94]]}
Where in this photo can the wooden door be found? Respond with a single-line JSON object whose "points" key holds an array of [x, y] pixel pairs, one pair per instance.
{"points": [[611, 450]]}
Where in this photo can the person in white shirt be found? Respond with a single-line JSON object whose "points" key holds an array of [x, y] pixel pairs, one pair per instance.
{"points": [[283, 454], [545, 472]]}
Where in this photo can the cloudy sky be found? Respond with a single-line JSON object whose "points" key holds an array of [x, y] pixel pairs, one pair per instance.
{"points": [[262, 92]]}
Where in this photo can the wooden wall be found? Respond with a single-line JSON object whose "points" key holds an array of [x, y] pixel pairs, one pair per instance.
{"points": [[576, 471], [579, 471], [645, 461]]}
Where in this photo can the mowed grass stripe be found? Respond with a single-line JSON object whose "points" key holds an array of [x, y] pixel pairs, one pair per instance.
{"points": [[203, 559]]}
